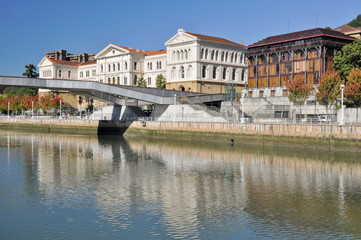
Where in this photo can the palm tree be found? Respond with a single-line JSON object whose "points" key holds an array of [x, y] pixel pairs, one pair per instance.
{"points": [[161, 82], [30, 71]]}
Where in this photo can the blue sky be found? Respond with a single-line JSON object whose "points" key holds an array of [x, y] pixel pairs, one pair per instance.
{"points": [[28, 29]]}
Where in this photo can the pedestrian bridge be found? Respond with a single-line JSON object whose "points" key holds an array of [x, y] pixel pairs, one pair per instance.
{"points": [[116, 94]]}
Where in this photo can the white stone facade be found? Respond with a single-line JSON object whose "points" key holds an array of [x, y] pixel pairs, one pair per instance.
{"points": [[188, 57]]}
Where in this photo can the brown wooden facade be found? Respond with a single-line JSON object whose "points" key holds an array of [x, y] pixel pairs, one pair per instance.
{"points": [[277, 59]]}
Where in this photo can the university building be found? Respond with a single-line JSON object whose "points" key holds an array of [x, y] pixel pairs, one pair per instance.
{"points": [[190, 62], [277, 59]]}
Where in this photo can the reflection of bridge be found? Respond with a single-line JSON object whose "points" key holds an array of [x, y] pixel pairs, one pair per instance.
{"points": [[116, 94]]}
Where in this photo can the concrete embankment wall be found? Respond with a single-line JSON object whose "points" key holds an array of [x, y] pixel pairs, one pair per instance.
{"points": [[321, 132]]}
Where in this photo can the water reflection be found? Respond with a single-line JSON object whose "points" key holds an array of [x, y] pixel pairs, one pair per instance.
{"points": [[191, 189]]}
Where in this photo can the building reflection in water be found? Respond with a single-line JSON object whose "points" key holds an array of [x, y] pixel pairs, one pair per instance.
{"points": [[189, 187]]}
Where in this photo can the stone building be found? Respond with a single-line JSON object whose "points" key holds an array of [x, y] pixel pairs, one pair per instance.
{"points": [[191, 62]]}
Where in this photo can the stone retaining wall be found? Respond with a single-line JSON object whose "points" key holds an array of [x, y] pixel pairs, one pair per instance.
{"points": [[348, 132]]}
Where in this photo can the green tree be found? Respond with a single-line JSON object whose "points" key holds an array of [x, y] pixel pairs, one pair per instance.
{"points": [[141, 82], [298, 91], [328, 89], [30, 72], [353, 88], [355, 22], [160, 81], [349, 57]]}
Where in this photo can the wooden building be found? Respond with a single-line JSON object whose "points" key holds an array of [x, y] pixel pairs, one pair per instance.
{"points": [[274, 60]]}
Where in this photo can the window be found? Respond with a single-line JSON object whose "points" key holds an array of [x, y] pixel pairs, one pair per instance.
{"points": [[273, 93], [81, 74], [242, 75], [135, 65], [216, 58], [149, 81], [250, 94], [109, 81], [151, 66], [185, 54], [214, 72], [190, 71], [94, 73], [125, 81], [222, 57], [182, 72], [113, 80], [231, 57], [68, 74], [202, 52], [224, 73], [261, 93], [118, 80], [135, 80], [118, 66], [126, 66], [206, 54], [101, 68], [204, 72], [60, 73], [212, 55], [113, 67], [160, 65], [109, 69], [234, 74], [173, 73]]}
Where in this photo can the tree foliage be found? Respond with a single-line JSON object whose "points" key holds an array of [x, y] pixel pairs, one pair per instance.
{"points": [[349, 57], [160, 81], [328, 89], [141, 82], [30, 72], [355, 22], [298, 91], [353, 88]]}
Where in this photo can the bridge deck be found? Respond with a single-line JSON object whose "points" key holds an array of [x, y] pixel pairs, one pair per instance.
{"points": [[112, 93]]}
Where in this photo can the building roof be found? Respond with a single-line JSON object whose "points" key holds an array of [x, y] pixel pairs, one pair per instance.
{"points": [[157, 52], [310, 33], [70, 63], [214, 39], [346, 29], [131, 49]]}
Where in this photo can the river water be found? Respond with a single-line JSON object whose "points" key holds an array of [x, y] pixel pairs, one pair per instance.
{"points": [[89, 187]]}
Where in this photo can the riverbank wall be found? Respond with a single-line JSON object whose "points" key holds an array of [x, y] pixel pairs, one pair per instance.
{"points": [[322, 132]]}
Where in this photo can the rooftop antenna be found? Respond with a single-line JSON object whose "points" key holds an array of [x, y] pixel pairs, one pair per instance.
{"points": [[288, 25]]}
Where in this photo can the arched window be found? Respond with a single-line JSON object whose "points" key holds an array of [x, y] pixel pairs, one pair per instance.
{"points": [[160, 65], [204, 72], [135, 65], [231, 57], [147, 66], [135, 80], [222, 57], [109, 68], [233, 74], [118, 66], [151, 66], [173, 73], [118, 80], [113, 67], [224, 73], [216, 55], [125, 80], [108, 80], [113, 80], [226, 57], [202, 52], [181, 72], [178, 55], [235, 58], [212, 54], [126, 66], [185, 54], [60, 73], [190, 71], [68, 74], [214, 72], [206, 54], [101, 68], [149, 81], [242, 75], [189, 53], [181, 54]]}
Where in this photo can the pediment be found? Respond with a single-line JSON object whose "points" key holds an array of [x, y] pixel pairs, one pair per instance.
{"points": [[111, 50], [180, 37], [45, 62]]}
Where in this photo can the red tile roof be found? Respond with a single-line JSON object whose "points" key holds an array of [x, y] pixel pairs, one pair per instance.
{"points": [[70, 63], [157, 52], [214, 39], [345, 29], [315, 32], [131, 49]]}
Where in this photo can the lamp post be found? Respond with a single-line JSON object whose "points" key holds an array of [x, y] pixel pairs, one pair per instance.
{"points": [[243, 93], [32, 109], [60, 110], [342, 87]]}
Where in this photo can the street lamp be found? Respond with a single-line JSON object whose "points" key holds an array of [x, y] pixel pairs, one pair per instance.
{"points": [[342, 87], [243, 94], [60, 110]]}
